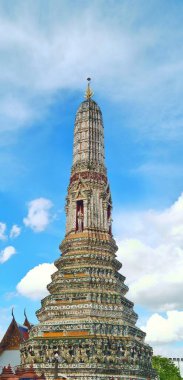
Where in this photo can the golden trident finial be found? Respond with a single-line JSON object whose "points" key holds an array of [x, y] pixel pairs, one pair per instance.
{"points": [[89, 93]]}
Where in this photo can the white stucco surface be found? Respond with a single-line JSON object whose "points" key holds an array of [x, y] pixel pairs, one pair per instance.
{"points": [[11, 357]]}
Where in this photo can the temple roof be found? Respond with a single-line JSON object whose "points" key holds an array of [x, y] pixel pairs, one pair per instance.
{"points": [[26, 322], [15, 335], [7, 373], [23, 331], [23, 373], [29, 373]]}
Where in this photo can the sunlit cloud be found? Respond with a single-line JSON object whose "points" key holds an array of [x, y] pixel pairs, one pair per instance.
{"points": [[165, 329], [151, 253], [39, 216], [30, 285]]}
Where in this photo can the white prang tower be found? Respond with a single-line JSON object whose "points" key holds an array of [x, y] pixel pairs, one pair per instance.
{"points": [[86, 327]]}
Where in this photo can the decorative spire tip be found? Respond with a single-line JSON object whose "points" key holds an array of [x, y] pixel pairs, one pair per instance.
{"points": [[89, 93]]}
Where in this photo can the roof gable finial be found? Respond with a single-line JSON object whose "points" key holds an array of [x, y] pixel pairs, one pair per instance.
{"points": [[89, 93], [26, 321], [12, 312]]}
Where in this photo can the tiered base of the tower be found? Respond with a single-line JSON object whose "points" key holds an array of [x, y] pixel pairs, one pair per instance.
{"points": [[87, 327]]}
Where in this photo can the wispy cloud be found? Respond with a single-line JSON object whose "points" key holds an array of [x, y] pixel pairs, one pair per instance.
{"points": [[137, 59], [6, 254], [15, 231], [3, 231]]}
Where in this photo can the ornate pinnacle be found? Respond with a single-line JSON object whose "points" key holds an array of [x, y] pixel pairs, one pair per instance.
{"points": [[89, 93]]}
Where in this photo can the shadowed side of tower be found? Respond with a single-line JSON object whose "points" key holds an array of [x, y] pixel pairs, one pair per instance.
{"points": [[86, 324]]}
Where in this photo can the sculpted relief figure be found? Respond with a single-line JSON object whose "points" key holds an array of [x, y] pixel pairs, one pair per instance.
{"points": [[84, 356], [57, 357], [23, 358]]}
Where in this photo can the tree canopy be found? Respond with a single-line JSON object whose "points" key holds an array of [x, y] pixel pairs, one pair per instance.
{"points": [[166, 369]]}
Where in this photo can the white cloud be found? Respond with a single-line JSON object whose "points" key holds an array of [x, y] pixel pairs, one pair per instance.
{"points": [[6, 254], [38, 216], [165, 330], [152, 254], [2, 231], [33, 284], [15, 231]]}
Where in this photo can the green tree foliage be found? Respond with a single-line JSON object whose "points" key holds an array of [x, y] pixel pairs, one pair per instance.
{"points": [[165, 368]]}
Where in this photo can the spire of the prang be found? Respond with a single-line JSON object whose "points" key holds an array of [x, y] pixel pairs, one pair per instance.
{"points": [[88, 93]]}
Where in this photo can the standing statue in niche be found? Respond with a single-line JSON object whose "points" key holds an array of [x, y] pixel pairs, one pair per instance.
{"points": [[109, 222], [80, 218]]}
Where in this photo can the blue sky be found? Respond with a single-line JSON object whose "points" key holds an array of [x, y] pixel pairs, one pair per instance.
{"points": [[133, 52]]}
